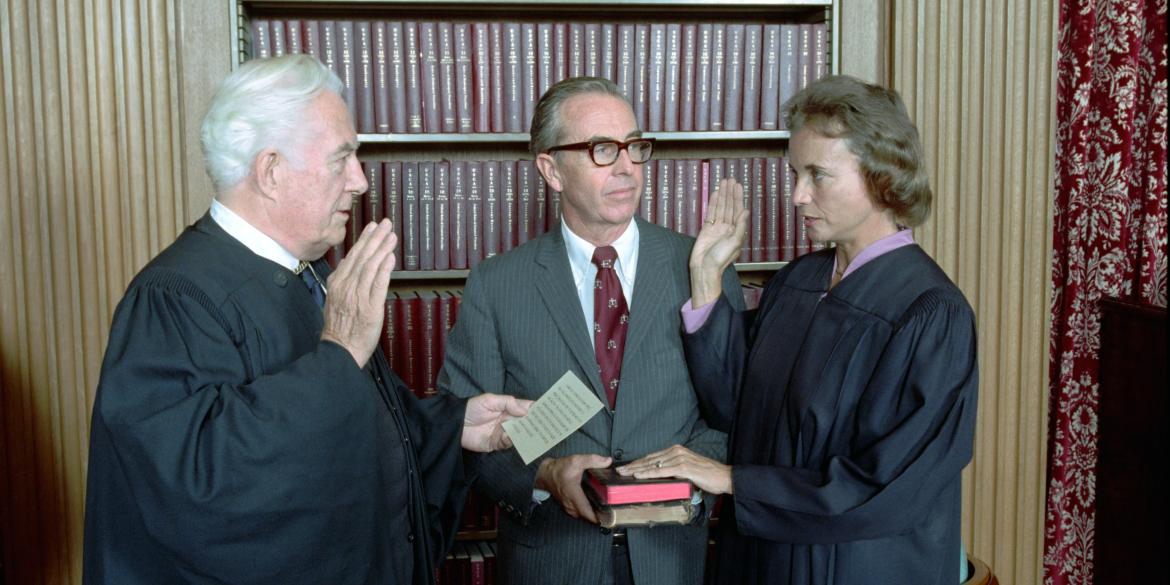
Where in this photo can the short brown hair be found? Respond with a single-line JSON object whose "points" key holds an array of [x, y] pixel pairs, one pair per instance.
{"points": [[878, 131], [547, 124]]}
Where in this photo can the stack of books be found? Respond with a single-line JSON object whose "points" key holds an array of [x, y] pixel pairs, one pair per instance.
{"points": [[626, 501]]}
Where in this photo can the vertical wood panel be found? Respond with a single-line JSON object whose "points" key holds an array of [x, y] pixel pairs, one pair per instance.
{"points": [[977, 77], [92, 185]]}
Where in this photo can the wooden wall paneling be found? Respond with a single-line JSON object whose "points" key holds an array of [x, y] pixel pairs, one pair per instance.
{"points": [[977, 77], [92, 177]]}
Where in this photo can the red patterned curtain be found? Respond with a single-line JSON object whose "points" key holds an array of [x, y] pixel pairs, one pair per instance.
{"points": [[1109, 236]]}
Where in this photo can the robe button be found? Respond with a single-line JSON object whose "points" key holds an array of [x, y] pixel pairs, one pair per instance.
{"points": [[618, 454], [280, 278]]}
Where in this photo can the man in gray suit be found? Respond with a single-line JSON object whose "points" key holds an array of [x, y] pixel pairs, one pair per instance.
{"points": [[529, 315]]}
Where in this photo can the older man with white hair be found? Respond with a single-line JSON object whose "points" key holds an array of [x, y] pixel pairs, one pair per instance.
{"points": [[246, 429]]}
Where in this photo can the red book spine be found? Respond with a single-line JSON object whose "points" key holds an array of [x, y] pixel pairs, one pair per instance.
{"points": [[756, 241], [261, 44], [394, 92], [746, 178], [410, 212], [544, 62], [820, 55], [704, 189], [649, 182], [561, 51], [276, 36], [642, 75], [491, 208], [626, 60], [593, 49], [715, 123], [458, 231], [670, 110], [312, 33], [680, 196], [788, 213], [429, 71], [475, 237], [702, 118], [381, 67], [513, 79], [426, 216], [392, 204], [694, 186], [373, 195], [448, 310], [293, 29], [529, 77], [499, 82], [789, 38], [389, 333], [405, 354], [329, 48], [770, 78], [664, 202], [414, 115], [772, 203], [718, 172], [804, 60], [347, 45], [576, 49], [525, 212], [464, 80], [481, 61], [507, 205], [752, 38], [431, 358], [733, 78], [367, 116], [657, 76], [539, 194], [686, 84], [554, 208], [608, 52], [449, 109], [442, 215]]}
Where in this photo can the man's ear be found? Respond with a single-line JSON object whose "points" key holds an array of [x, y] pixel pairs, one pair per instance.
{"points": [[266, 169], [547, 166]]}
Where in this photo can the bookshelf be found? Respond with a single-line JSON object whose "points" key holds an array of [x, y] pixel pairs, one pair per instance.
{"points": [[663, 38]]}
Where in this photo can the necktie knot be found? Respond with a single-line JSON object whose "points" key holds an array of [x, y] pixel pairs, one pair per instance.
{"points": [[309, 277], [604, 257]]}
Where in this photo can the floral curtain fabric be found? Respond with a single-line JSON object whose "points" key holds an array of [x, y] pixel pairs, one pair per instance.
{"points": [[1109, 236]]}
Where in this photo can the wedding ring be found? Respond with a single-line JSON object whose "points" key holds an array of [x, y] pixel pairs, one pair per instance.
{"points": [[658, 464], [711, 221]]}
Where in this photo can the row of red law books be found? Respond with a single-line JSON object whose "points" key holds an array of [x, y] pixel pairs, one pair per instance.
{"points": [[427, 76], [449, 215], [468, 563], [414, 335]]}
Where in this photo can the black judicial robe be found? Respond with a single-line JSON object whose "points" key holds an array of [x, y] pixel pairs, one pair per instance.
{"points": [[230, 445], [850, 417]]}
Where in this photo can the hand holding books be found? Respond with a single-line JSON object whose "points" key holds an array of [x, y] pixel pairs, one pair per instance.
{"points": [[626, 501], [707, 474]]}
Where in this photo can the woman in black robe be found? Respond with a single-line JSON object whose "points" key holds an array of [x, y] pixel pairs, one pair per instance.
{"points": [[849, 396]]}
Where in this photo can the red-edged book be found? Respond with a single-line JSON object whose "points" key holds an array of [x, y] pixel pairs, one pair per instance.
{"points": [[612, 489]]}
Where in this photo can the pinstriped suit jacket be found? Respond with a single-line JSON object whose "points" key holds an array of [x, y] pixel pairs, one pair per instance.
{"points": [[520, 327]]}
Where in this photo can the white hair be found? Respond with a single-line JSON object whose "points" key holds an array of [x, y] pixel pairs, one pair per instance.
{"points": [[259, 105]]}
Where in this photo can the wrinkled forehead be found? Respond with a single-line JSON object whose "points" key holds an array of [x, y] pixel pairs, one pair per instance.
{"points": [[597, 116]]}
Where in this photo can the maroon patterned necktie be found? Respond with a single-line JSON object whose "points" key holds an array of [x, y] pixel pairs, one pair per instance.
{"points": [[610, 319]]}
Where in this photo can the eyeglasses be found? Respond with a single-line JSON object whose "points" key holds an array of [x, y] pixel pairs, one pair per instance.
{"points": [[605, 152]]}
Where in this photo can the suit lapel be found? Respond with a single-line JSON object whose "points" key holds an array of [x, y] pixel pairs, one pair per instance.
{"points": [[650, 287], [554, 282]]}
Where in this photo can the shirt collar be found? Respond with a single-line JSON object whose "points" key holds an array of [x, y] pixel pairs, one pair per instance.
{"points": [[881, 246], [581, 253], [255, 240]]}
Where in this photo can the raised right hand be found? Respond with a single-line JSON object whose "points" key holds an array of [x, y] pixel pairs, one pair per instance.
{"points": [[721, 238], [561, 477], [356, 304]]}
